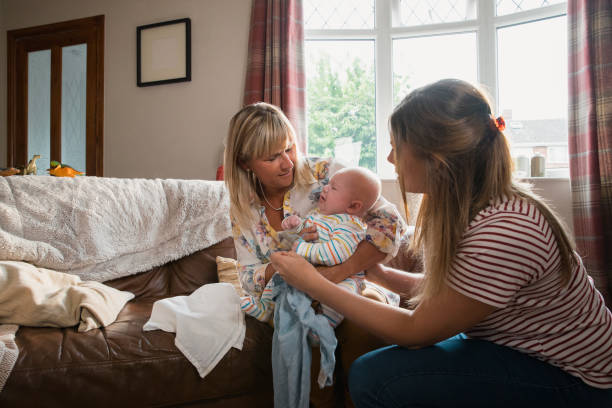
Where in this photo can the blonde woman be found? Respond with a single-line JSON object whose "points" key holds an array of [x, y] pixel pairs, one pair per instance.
{"points": [[506, 315], [268, 180]]}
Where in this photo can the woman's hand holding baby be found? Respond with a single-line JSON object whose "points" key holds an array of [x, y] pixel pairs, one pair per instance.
{"points": [[296, 271]]}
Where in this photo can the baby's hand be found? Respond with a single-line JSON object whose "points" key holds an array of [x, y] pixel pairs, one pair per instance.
{"points": [[294, 246], [291, 222], [309, 233]]}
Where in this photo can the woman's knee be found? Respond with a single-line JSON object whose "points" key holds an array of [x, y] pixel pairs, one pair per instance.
{"points": [[361, 380]]}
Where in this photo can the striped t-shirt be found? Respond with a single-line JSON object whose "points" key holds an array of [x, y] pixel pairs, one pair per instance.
{"points": [[508, 258]]}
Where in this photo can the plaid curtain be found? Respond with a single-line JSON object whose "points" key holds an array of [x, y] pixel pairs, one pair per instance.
{"points": [[275, 68], [590, 135]]}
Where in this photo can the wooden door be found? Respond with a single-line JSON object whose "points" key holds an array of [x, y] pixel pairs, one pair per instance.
{"points": [[31, 99]]}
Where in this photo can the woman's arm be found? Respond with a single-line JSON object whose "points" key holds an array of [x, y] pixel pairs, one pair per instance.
{"points": [[365, 256], [435, 319], [252, 271], [253, 276], [395, 280], [385, 228]]}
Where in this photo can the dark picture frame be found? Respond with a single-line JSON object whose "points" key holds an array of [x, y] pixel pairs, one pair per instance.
{"points": [[163, 52]]}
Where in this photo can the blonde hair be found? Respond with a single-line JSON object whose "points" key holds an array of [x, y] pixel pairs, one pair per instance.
{"points": [[255, 131], [468, 163]]}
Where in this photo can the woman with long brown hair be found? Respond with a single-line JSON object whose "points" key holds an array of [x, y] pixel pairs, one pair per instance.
{"points": [[505, 313]]}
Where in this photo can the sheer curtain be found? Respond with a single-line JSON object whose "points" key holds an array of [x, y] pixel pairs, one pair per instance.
{"points": [[275, 68], [590, 135]]}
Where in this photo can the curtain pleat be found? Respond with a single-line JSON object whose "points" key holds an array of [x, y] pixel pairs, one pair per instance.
{"points": [[275, 67], [590, 135]]}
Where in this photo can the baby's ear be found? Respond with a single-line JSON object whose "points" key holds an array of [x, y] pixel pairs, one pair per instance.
{"points": [[355, 208]]}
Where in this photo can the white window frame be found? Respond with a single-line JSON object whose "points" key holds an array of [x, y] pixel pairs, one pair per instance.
{"points": [[384, 33]]}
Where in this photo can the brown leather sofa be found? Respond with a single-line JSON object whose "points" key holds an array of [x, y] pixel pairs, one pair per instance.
{"points": [[122, 366]]}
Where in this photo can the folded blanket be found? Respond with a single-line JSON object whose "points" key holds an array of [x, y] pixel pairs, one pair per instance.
{"points": [[207, 323], [104, 228], [31, 296]]}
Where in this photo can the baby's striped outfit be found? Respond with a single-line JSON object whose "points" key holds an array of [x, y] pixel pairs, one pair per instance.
{"points": [[339, 235]]}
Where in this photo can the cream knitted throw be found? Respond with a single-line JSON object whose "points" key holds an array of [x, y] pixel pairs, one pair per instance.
{"points": [[104, 228], [8, 351]]}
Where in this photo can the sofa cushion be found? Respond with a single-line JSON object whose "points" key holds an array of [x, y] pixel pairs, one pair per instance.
{"points": [[227, 271], [123, 366]]}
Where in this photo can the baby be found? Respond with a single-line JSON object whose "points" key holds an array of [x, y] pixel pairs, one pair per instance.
{"points": [[343, 203]]}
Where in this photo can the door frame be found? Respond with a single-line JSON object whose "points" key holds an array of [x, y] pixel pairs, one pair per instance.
{"points": [[88, 30]]}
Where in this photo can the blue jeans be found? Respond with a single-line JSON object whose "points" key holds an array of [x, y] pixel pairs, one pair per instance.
{"points": [[462, 372]]}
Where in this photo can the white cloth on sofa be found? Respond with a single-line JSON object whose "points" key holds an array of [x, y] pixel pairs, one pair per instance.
{"points": [[207, 323], [104, 228], [31, 296]]}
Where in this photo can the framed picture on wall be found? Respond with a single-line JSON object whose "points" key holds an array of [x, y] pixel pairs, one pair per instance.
{"points": [[163, 52]]}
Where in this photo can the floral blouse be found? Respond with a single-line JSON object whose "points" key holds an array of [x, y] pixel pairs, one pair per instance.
{"points": [[254, 247]]}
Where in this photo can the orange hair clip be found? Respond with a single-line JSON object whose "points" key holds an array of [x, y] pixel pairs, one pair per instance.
{"points": [[499, 123]]}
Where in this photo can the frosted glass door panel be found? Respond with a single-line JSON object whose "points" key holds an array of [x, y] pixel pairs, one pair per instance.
{"points": [[39, 107], [74, 103]]}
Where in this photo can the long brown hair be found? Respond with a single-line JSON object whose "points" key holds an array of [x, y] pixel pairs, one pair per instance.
{"points": [[468, 163]]}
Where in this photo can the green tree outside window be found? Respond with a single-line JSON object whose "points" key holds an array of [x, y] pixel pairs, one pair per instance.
{"points": [[344, 106]]}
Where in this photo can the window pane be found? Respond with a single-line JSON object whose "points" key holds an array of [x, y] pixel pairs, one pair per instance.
{"points": [[338, 14], [420, 12], [39, 107], [532, 65], [514, 6], [74, 103], [422, 60], [341, 101]]}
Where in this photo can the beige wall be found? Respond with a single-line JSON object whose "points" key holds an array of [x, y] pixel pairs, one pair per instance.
{"points": [[170, 131], [557, 194]]}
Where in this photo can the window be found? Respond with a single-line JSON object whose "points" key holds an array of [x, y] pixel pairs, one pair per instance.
{"points": [[364, 56]]}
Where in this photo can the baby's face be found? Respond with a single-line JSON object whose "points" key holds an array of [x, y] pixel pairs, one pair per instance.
{"points": [[336, 197]]}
